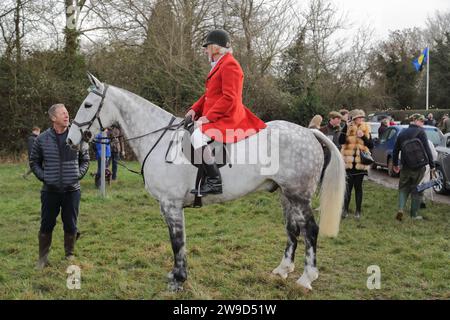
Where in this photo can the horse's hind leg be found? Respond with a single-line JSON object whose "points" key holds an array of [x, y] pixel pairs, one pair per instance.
{"points": [[310, 230], [174, 216], [299, 220], [292, 216]]}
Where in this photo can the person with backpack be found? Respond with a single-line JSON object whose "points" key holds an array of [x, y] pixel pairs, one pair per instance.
{"points": [[416, 155]]}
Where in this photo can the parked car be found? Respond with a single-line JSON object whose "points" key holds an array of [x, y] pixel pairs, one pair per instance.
{"points": [[384, 145], [443, 166], [374, 126], [378, 116]]}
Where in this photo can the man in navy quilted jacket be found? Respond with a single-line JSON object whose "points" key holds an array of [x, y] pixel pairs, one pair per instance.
{"points": [[60, 168]]}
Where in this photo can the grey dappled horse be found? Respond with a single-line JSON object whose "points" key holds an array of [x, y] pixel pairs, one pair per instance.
{"points": [[300, 162]]}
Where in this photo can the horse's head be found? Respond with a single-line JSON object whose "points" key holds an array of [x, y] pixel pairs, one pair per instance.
{"points": [[91, 116]]}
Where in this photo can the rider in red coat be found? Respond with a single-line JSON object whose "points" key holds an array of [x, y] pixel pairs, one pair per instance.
{"points": [[220, 114]]}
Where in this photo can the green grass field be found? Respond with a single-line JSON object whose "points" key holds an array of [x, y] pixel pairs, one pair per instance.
{"points": [[125, 253]]}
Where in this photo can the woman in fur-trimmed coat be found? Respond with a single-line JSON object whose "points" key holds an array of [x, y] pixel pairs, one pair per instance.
{"points": [[355, 137]]}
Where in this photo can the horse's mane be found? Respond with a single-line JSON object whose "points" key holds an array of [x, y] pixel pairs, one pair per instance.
{"points": [[140, 100]]}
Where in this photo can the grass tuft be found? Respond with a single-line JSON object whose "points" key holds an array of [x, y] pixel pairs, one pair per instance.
{"points": [[124, 250]]}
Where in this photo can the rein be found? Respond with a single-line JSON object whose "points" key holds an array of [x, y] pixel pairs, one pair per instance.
{"points": [[156, 143], [168, 127], [164, 130], [87, 135]]}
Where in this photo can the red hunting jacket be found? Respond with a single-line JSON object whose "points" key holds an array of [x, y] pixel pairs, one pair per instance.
{"points": [[222, 104]]}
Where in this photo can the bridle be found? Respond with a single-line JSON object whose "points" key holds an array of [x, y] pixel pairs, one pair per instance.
{"points": [[86, 135]]}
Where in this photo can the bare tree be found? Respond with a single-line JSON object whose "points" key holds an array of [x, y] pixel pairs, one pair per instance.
{"points": [[437, 26], [352, 72], [323, 20], [261, 29], [12, 26]]}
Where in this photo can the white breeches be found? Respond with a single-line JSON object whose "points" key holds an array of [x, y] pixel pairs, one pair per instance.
{"points": [[198, 139]]}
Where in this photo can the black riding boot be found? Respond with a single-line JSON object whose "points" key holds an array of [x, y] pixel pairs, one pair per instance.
{"points": [[213, 181], [45, 241]]}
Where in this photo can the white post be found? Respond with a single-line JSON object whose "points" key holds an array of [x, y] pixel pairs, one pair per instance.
{"points": [[103, 166], [428, 76]]}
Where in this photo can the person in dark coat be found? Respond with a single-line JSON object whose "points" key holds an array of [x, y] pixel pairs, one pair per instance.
{"points": [[333, 128], [444, 124], [60, 168], [430, 120], [383, 126], [117, 148], [333, 131], [345, 117], [30, 141], [411, 177]]}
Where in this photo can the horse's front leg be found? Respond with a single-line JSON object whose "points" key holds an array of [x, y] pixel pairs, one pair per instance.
{"points": [[173, 213]]}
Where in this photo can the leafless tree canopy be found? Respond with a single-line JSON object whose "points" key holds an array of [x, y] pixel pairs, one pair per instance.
{"points": [[299, 58]]}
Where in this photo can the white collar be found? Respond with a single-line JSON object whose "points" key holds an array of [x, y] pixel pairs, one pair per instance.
{"points": [[214, 63]]}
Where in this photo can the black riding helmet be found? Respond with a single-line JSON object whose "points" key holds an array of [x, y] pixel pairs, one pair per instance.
{"points": [[219, 37]]}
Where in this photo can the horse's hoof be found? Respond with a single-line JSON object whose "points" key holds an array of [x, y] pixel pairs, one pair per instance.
{"points": [[283, 270], [280, 273], [175, 286], [305, 290], [308, 276], [305, 284]]}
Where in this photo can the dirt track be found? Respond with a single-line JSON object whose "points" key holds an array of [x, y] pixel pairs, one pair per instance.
{"points": [[381, 177]]}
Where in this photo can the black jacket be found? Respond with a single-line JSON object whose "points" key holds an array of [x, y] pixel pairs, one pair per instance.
{"points": [[60, 169], [381, 130], [412, 132], [333, 133]]}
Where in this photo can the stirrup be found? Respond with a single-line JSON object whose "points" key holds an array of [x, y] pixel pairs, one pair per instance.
{"points": [[212, 187], [197, 190]]}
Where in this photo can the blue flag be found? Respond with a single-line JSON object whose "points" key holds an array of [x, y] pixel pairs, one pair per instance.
{"points": [[421, 60]]}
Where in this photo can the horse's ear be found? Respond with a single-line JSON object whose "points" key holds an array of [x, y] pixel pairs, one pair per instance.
{"points": [[94, 80]]}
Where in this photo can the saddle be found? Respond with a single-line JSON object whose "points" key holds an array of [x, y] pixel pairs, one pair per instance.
{"points": [[220, 151]]}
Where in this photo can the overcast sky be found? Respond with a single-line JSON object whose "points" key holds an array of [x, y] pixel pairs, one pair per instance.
{"points": [[385, 15]]}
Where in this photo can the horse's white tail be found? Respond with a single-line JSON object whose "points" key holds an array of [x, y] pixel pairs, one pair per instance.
{"points": [[332, 192]]}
